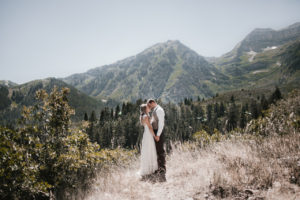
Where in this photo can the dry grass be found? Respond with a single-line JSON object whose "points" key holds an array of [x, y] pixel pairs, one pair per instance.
{"points": [[230, 169], [258, 168]]}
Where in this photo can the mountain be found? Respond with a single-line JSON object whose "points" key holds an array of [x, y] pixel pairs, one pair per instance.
{"points": [[12, 99], [170, 71], [262, 39], [275, 66], [7, 83], [264, 58]]}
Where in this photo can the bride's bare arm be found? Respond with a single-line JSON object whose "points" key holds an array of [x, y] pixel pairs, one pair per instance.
{"points": [[146, 120]]}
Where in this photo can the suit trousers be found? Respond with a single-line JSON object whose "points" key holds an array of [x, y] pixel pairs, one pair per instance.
{"points": [[161, 155]]}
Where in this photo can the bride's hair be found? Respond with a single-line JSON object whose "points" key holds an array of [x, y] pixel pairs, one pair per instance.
{"points": [[143, 108]]}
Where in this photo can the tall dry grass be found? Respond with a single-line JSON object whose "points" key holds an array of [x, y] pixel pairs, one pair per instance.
{"points": [[229, 169], [254, 168]]}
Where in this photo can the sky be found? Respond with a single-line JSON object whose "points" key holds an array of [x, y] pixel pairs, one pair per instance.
{"points": [[57, 38]]}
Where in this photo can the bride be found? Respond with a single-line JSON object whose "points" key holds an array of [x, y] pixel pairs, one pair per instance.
{"points": [[148, 151]]}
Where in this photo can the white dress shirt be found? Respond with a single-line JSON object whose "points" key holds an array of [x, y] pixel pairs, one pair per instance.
{"points": [[161, 119]]}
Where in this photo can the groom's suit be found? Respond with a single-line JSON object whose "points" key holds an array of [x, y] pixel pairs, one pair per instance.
{"points": [[158, 121]]}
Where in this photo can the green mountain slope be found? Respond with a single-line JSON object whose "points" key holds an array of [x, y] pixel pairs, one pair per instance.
{"points": [[14, 98], [263, 59], [170, 71]]}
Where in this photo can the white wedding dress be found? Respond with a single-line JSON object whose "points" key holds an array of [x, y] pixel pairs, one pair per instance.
{"points": [[148, 153]]}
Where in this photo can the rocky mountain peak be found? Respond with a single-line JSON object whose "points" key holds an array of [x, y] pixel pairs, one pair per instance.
{"points": [[294, 26], [259, 32], [261, 38], [162, 46]]}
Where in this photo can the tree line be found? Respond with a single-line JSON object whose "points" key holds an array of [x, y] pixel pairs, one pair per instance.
{"points": [[120, 127]]}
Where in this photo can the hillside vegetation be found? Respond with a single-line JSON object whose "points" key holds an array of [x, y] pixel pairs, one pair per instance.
{"points": [[47, 157], [12, 99], [260, 162]]}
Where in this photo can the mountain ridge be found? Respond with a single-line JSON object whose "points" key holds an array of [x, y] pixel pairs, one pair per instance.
{"points": [[172, 71], [7, 83], [252, 60], [167, 63]]}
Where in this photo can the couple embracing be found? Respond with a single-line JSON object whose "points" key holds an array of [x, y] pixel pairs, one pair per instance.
{"points": [[153, 163]]}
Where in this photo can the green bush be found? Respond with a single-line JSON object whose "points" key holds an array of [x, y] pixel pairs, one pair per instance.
{"points": [[44, 158], [203, 139]]}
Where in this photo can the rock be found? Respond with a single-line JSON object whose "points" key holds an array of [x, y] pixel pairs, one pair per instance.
{"points": [[220, 192], [256, 198], [249, 192]]}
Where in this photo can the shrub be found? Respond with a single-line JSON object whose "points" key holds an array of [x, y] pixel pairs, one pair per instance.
{"points": [[47, 158]]}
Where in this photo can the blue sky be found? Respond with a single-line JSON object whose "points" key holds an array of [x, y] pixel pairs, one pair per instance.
{"points": [[56, 38]]}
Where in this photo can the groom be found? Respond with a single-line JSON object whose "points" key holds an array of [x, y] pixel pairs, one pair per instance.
{"points": [[158, 124]]}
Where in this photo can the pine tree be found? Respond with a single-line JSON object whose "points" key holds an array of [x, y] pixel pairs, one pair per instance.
{"points": [[93, 116], [85, 117], [222, 109], [105, 135], [247, 107], [198, 99], [102, 116], [105, 115], [275, 96], [209, 112], [232, 117], [243, 118], [216, 111], [232, 99], [124, 110], [117, 112], [188, 101], [254, 109], [264, 103], [91, 132], [112, 113]]}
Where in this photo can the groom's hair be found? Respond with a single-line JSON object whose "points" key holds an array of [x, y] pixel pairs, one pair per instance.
{"points": [[151, 101]]}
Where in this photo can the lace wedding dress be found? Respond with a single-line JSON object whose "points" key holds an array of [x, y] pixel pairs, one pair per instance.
{"points": [[148, 153]]}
